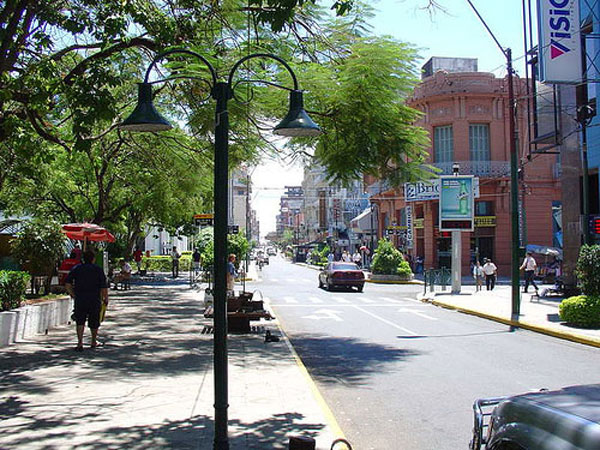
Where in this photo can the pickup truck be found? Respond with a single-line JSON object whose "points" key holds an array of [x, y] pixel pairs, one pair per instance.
{"points": [[565, 419]]}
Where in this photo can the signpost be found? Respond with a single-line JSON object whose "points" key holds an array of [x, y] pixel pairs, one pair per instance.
{"points": [[457, 213], [203, 220]]}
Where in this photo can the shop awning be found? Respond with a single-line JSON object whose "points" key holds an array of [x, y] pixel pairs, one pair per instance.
{"points": [[543, 250], [362, 223]]}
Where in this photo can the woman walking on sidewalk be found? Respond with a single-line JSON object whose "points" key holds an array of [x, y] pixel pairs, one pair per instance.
{"points": [[478, 275]]}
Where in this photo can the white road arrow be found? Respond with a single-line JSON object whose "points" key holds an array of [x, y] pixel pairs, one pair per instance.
{"points": [[327, 314]]}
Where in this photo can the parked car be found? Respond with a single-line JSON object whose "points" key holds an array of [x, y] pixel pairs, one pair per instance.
{"points": [[341, 274], [565, 419]]}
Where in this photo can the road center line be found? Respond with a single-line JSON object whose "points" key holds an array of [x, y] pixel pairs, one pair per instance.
{"points": [[395, 325]]}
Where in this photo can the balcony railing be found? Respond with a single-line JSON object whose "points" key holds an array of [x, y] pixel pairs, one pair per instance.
{"points": [[492, 169]]}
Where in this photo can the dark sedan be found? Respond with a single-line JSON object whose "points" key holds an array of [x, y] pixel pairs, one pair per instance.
{"points": [[342, 274]]}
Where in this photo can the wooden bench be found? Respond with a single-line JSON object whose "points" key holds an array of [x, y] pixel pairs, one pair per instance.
{"points": [[240, 311]]}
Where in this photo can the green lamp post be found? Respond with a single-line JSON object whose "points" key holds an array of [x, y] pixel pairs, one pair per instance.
{"points": [[146, 118]]}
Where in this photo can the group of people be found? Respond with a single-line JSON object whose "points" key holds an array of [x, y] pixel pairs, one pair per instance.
{"points": [[489, 271]]}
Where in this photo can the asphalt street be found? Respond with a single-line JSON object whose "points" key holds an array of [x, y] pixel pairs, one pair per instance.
{"points": [[398, 373]]}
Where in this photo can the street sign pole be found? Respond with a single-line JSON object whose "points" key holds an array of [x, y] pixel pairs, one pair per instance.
{"points": [[456, 261]]}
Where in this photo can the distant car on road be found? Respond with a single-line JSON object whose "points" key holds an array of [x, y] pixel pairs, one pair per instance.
{"points": [[271, 251], [566, 419], [342, 274]]}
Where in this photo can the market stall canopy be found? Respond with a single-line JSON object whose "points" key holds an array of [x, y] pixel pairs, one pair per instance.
{"points": [[543, 250], [87, 232], [362, 223]]}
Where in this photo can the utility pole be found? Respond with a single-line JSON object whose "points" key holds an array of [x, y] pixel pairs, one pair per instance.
{"points": [[514, 173]]}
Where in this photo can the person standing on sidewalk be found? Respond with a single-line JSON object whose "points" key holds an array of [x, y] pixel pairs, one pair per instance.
{"points": [[478, 275], [86, 283], [490, 270], [175, 262], [232, 274], [529, 265]]}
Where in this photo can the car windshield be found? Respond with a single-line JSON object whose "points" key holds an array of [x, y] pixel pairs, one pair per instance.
{"points": [[344, 266]]}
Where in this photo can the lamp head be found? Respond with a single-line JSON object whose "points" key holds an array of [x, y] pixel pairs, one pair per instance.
{"points": [[145, 117], [297, 122]]}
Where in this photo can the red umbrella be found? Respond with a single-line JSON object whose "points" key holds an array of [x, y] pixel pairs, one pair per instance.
{"points": [[87, 232]]}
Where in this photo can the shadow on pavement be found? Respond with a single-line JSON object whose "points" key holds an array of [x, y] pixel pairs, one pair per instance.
{"points": [[346, 360]]}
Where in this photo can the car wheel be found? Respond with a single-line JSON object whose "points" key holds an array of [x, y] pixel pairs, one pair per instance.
{"points": [[320, 283], [327, 285], [361, 287]]}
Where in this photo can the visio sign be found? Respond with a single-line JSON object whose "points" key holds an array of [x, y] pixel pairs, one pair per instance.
{"points": [[560, 41]]}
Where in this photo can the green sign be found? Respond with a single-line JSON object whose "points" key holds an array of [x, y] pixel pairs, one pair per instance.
{"points": [[456, 203]]}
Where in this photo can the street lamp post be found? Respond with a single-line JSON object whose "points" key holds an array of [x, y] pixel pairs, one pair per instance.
{"points": [[296, 123]]}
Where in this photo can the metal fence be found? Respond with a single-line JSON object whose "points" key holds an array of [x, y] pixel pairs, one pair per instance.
{"points": [[441, 277]]}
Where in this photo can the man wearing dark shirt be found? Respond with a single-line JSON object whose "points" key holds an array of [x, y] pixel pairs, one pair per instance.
{"points": [[86, 283]]}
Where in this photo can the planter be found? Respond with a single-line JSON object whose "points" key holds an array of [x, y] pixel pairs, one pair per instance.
{"points": [[378, 278], [21, 323]]}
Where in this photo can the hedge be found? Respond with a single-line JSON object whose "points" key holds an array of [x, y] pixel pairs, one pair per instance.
{"points": [[162, 263], [581, 310], [13, 285]]}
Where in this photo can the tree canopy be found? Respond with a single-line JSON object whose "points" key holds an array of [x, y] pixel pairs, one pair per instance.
{"points": [[68, 70]]}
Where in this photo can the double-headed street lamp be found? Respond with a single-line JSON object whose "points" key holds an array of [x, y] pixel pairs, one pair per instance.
{"points": [[296, 123]]}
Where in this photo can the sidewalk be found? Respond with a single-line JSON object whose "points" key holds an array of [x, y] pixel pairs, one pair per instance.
{"points": [[151, 383], [540, 315]]}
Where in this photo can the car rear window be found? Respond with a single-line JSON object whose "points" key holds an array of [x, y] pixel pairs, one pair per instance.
{"points": [[347, 266]]}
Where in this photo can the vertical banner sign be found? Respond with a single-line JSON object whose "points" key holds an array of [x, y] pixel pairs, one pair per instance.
{"points": [[456, 203], [521, 223], [322, 211], [560, 41], [409, 226]]}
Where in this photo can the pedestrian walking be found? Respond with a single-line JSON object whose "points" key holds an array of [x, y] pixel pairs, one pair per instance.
{"points": [[137, 257], [478, 275], [175, 262], [529, 265], [196, 257], [86, 283], [490, 270], [357, 258], [232, 274]]}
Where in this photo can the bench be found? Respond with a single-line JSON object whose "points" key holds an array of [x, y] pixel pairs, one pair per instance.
{"points": [[124, 284], [240, 311]]}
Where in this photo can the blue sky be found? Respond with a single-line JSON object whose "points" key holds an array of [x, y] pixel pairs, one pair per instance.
{"points": [[456, 33]]}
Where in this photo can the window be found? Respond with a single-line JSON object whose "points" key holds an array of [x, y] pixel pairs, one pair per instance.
{"points": [[479, 142], [484, 208], [443, 141]]}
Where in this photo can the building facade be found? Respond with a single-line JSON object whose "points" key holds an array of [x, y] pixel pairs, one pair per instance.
{"points": [[466, 115]]}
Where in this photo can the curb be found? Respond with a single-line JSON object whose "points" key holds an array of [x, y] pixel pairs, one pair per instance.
{"points": [[416, 282], [516, 323]]}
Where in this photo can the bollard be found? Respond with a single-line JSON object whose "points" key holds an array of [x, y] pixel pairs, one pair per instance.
{"points": [[302, 443]]}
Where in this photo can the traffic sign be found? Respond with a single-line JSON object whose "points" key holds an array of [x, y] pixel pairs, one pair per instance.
{"points": [[203, 220]]}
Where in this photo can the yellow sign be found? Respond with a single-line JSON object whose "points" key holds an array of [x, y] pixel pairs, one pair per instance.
{"points": [[204, 216], [485, 221], [419, 223]]}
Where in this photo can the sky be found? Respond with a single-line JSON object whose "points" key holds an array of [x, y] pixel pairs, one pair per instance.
{"points": [[455, 33]]}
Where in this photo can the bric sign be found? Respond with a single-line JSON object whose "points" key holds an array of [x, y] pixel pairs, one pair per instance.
{"points": [[560, 41], [422, 190]]}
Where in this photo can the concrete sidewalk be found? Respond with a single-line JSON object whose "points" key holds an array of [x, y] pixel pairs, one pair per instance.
{"points": [[537, 314], [151, 383]]}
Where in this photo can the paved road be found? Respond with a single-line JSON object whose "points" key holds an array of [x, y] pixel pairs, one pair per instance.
{"points": [[401, 374]]}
